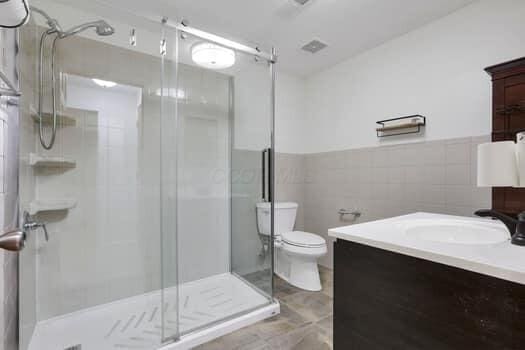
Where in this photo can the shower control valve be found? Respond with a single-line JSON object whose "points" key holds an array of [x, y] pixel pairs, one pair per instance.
{"points": [[30, 225]]}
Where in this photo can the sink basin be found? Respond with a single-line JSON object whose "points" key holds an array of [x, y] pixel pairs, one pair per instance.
{"points": [[457, 231]]}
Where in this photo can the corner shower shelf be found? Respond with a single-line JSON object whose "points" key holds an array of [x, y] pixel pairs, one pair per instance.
{"points": [[47, 118], [40, 161], [41, 205]]}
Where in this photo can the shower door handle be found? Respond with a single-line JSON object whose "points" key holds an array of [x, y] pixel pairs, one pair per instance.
{"points": [[263, 174], [266, 169], [13, 240]]}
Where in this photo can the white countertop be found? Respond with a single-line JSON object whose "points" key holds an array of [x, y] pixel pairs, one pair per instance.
{"points": [[502, 260]]}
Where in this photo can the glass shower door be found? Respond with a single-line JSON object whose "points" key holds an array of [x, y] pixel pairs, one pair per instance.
{"points": [[219, 103]]}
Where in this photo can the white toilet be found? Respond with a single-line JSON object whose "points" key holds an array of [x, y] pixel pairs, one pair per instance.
{"points": [[296, 252]]}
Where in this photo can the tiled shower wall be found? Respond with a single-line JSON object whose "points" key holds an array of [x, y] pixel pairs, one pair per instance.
{"points": [[381, 182]]}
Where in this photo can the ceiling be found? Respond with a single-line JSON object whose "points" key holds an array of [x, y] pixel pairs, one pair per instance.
{"points": [[348, 27]]}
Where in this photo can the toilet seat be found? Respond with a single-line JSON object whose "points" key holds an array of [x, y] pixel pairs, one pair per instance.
{"points": [[303, 239]]}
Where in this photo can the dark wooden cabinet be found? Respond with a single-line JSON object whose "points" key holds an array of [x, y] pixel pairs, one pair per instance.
{"points": [[384, 301], [508, 118]]}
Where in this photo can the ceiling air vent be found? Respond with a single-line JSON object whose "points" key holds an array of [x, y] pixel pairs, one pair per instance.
{"points": [[301, 2], [314, 46]]}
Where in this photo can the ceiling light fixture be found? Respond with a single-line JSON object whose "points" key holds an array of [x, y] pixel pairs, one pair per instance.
{"points": [[104, 83], [212, 56]]}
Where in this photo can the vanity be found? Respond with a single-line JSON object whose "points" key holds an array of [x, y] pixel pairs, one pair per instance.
{"points": [[428, 281]]}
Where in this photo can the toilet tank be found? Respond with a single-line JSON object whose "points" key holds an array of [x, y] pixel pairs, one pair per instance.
{"points": [[285, 213]]}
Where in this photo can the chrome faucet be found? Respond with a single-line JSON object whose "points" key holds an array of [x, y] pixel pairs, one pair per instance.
{"points": [[516, 227]]}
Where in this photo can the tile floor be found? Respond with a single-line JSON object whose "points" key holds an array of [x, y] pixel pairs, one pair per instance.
{"points": [[305, 322]]}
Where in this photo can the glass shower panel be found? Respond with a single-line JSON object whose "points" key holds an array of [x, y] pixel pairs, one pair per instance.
{"points": [[168, 140], [251, 171], [96, 283], [223, 122]]}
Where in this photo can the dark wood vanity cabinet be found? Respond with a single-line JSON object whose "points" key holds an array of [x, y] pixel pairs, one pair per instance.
{"points": [[508, 118], [384, 300]]}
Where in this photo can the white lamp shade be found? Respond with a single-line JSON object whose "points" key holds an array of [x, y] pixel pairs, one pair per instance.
{"points": [[498, 165]]}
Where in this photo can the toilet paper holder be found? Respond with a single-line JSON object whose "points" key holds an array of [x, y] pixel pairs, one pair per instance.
{"points": [[355, 213]]}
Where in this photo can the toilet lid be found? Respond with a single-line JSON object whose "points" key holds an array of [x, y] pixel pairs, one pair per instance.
{"points": [[303, 239]]}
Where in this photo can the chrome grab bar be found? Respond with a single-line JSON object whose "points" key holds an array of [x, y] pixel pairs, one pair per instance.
{"points": [[13, 241], [342, 212]]}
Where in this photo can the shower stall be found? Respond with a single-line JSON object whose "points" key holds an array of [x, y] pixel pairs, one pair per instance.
{"points": [[144, 147]]}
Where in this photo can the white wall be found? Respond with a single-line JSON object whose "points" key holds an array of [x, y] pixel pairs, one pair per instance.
{"points": [[436, 71], [290, 101]]}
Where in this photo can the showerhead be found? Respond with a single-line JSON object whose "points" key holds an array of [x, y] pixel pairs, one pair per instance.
{"points": [[101, 28], [104, 29]]}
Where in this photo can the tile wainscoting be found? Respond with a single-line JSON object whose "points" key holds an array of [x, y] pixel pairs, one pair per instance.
{"points": [[380, 182]]}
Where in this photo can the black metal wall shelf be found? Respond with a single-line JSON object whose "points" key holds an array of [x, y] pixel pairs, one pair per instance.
{"points": [[411, 124]]}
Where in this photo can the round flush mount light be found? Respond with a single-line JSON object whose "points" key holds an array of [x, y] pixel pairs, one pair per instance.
{"points": [[212, 56], [104, 83]]}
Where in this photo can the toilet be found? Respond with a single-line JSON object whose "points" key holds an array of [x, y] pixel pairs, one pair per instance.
{"points": [[296, 252]]}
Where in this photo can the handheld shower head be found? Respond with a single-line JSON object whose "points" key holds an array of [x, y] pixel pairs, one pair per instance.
{"points": [[104, 29], [101, 28]]}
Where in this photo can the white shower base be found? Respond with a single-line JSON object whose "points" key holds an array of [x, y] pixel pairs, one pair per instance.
{"points": [[136, 323]]}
